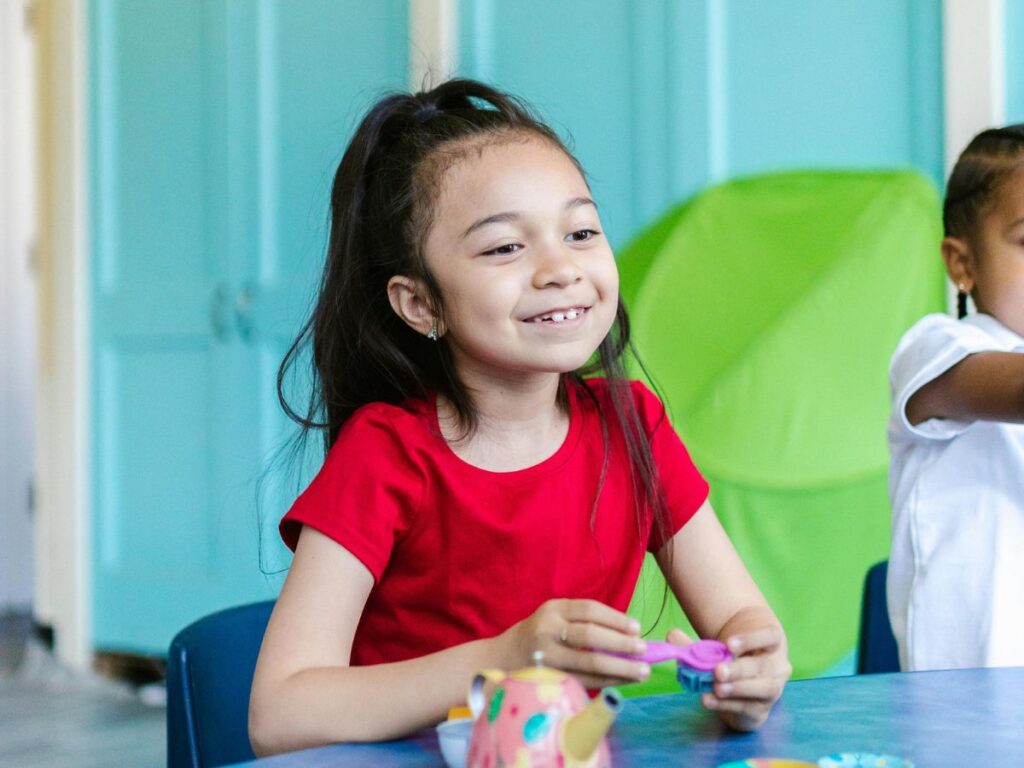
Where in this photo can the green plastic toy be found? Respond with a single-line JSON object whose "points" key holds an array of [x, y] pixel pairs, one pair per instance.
{"points": [[766, 311]]}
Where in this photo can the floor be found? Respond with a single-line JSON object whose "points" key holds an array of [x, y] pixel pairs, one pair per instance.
{"points": [[51, 716]]}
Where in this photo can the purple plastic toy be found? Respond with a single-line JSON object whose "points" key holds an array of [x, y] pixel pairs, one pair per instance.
{"points": [[695, 663], [695, 668]]}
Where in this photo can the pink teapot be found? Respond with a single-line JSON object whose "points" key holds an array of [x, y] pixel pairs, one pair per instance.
{"points": [[539, 717]]}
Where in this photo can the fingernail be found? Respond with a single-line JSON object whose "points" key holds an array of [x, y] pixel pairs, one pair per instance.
{"points": [[723, 672], [723, 688], [645, 671], [735, 644], [708, 701], [634, 626], [639, 648]]}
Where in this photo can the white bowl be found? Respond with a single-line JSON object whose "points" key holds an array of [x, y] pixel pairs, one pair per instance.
{"points": [[453, 735]]}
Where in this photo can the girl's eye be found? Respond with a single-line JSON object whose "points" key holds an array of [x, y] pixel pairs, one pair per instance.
{"points": [[582, 235], [503, 250]]}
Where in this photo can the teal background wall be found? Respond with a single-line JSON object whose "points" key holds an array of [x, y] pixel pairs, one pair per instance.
{"points": [[1014, 61], [664, 97], [215, 127]]}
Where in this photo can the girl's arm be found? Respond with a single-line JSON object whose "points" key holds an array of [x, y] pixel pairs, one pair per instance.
{"points": [[985, 386], [305, 694], [722, 602]]}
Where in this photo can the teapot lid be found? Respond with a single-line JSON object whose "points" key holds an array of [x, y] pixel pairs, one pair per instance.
{"points": [[538, 675]]}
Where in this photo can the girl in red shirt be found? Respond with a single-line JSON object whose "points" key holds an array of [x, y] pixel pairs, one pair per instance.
{"points": [[481, 498]]}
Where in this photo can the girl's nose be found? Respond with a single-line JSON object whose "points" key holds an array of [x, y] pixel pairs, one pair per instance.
{"points": [[556, 267]]}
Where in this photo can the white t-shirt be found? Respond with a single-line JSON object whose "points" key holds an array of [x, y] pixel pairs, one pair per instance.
{"points": [[956, 571]]}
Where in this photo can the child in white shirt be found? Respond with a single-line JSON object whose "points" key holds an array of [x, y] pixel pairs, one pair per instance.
{"points": [[956, 571]]}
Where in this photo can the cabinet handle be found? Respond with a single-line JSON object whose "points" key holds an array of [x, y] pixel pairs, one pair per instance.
{"points": [[218, 307], [243, 312]]}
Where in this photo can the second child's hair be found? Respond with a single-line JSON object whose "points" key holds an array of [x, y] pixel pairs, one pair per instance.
{"points": [[382, 207], [984, 164], [981, 168]]}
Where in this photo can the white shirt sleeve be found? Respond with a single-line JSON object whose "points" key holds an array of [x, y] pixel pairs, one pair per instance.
{"points": [[929, 349]]}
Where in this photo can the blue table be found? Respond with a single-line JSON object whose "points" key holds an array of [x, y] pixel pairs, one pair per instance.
{"points": [[959, 718]]}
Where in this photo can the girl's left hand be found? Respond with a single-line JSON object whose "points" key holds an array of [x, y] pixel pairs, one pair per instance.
{"points": [[747, 687]]}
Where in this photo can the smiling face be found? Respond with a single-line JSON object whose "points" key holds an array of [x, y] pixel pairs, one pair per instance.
{"points": [[989, 263], [516, 249]]}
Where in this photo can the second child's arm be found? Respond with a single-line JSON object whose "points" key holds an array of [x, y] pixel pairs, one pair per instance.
{"points": [[985, 386], [305, 693]]}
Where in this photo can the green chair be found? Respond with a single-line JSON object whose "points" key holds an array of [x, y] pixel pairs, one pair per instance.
{"points": [[766, 310]]}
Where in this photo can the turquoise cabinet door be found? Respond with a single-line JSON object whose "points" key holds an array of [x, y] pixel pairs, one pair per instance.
{"points": [[159, 333], [215, 127], [306, 73]]}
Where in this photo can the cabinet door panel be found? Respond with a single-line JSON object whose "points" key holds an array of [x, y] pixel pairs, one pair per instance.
{"points": [[214, 130], [157, 216], [316, 68]]}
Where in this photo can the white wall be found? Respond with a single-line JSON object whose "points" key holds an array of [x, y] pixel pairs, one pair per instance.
{"points": [[17, 304]]}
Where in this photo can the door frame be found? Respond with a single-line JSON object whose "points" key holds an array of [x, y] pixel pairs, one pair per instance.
{"points": [[62, 518]]}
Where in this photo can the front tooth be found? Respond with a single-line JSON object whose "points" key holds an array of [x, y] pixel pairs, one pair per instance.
{"points": [[571, 314], [558, 317]]}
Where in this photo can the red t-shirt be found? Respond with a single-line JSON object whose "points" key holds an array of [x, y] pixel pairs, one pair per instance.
{"points": [[460, 553]]}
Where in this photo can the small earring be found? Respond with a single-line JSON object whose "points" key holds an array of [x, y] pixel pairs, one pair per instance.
{"points": [[432, 333], [961, 301]]}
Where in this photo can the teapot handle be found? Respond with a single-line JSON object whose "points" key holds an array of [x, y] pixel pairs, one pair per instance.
{"points": [[477, 700]]}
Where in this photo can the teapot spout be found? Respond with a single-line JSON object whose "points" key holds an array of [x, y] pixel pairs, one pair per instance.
{"points": [[582, 733]]}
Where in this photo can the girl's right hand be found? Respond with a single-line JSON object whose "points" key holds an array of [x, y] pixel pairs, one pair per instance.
{"points": [[578, 636]]}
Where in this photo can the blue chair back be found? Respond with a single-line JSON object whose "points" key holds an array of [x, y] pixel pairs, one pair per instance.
{"points": [[877, 651], [209, 676]]}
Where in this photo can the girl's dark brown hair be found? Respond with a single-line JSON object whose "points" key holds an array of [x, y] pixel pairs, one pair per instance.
{"points": [[381, 208]]}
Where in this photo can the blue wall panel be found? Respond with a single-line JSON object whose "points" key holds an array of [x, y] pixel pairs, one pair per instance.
{"points": [[835, 84], [1015, 61], [579, 66], [666, 97]]}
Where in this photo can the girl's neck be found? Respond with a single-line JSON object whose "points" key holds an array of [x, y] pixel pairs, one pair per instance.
{"points": [[518, 424]]}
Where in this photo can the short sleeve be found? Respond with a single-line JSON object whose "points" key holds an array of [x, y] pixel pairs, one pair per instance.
{"points": [[685, 489], [929, 349], [366, 493]]}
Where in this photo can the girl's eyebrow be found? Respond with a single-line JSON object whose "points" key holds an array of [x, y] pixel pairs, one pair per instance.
{"points": [[499, 218], [1012, 226]]}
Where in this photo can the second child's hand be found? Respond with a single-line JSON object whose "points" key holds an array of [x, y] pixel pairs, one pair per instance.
{"points": [[576, 636]]}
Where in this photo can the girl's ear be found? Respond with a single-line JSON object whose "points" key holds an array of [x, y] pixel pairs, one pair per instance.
{"points": [[410, 301], [960, 262]]}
